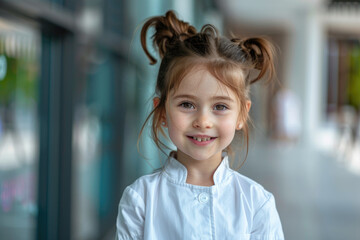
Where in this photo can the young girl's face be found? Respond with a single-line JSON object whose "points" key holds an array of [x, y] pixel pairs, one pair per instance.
{"points": [[202, 116]]}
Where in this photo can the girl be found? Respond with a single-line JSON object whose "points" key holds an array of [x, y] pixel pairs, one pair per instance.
{"points": [[202, 100]]}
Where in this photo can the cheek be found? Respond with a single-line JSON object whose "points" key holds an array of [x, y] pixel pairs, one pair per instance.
{"points": [[176, 127], [176, 122], [228, 127], [230, 122]]}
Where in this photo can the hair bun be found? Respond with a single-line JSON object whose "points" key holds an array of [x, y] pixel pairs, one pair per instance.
{"points": [[260, 52], [168, 30]]}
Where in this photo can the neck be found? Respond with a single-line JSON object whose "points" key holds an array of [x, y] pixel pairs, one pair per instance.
{"points": [[199, 172]]}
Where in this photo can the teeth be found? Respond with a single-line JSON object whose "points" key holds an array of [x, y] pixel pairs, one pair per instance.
{"points": [[201, 139]]}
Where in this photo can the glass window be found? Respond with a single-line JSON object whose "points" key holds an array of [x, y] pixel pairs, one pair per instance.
{"points": [[19, 78]]}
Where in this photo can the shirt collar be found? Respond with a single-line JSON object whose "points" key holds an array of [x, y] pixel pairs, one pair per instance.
{"points": [[178, 172]]}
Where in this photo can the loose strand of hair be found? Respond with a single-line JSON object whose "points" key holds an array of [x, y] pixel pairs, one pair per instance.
{"points": [[161, 146], [210, 29], [142, 130], [149, 23], [246, 138]]}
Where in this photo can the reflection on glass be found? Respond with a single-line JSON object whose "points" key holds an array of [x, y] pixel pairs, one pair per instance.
{"points": [[19, 74], [86, 178]]}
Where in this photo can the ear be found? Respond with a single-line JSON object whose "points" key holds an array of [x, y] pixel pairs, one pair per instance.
{"points": [[248, 105], [156, 102], [240, 123]]}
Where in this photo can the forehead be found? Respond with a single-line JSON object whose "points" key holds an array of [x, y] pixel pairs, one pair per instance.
{"points": [[200, 82]]}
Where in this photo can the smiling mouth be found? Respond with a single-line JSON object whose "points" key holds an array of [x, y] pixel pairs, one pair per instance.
{"points": [[202, 139]]}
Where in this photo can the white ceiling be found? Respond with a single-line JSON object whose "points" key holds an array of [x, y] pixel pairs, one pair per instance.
{"points": [[265, 10]]}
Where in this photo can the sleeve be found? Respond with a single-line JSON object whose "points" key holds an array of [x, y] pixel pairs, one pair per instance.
{"points": [[131, 216], [266, 222]]}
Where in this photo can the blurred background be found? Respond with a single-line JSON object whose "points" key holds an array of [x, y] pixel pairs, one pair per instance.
{"points": [[75, 88]]}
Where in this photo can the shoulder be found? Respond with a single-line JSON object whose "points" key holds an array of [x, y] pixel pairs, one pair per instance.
{"points": [[247, 183], [147, 179], [253, 191], [144, 184]]}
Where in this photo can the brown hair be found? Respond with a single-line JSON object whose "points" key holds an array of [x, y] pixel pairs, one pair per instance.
{"points": [[182, 48]]}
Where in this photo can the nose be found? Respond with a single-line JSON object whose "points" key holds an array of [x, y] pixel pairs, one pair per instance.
{"points": [[202, 121]]}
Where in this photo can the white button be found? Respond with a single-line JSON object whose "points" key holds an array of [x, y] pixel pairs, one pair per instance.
{"points": [[203, 197]]}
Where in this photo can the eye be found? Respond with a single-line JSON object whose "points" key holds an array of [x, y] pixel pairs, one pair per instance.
{"points": [[220, 107], [187, 105]]}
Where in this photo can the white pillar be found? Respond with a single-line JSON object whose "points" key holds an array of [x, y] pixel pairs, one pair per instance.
{"points": [[314, 86], [305, 76]]}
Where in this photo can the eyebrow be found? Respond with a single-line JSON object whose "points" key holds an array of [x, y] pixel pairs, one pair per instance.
{"points": [[221, 97]]}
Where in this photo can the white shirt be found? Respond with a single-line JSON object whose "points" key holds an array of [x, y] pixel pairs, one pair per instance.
{"points": [[162, 206]]}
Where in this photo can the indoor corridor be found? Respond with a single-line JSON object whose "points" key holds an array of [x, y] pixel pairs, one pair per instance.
{"points": [[317, 196]]}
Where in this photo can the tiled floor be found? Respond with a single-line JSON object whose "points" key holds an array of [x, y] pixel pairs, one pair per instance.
{"points": [[317, 197]]}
